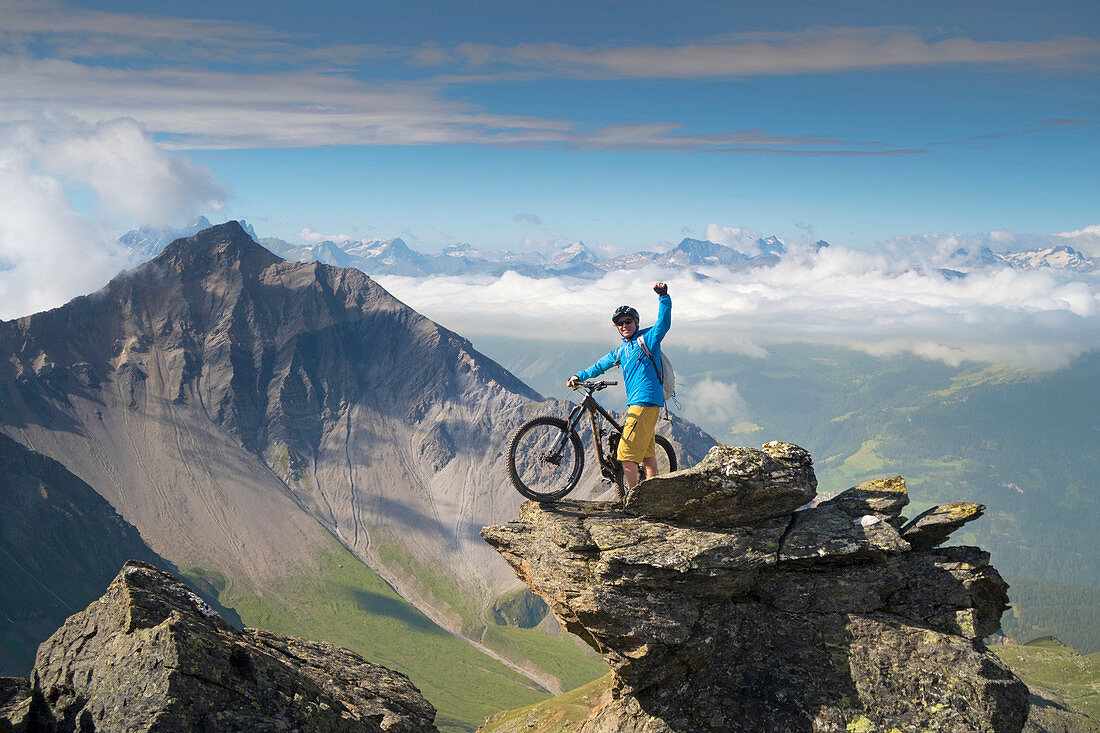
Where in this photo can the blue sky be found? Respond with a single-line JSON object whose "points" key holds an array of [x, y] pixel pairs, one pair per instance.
{"points": [[897, 132], [626, 125]]}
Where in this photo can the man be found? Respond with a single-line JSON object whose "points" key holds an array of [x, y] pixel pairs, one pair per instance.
{"points": [[644, 393]]}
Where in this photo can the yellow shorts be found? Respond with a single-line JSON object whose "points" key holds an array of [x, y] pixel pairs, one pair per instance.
{"points": [[639, 432]]}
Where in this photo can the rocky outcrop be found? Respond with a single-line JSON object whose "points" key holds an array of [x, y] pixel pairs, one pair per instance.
{"points": [[717, 611], [150, 655]]}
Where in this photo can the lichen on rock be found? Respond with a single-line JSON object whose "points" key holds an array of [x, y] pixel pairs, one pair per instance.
{"points": [[722, 603]]}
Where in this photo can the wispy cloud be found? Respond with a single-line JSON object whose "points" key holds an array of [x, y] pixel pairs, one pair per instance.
{"points": [[711, 401], [740, 238], [528, 217], [212, 84], [310, 236], [813, 51], [1040, 127], [203, 109], [1086, 240], [65, 31]]}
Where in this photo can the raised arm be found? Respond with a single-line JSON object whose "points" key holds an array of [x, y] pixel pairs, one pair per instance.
{"points": [[664, 315]]}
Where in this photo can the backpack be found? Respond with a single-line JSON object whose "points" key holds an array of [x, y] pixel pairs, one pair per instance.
{"points": [[665, 374]]}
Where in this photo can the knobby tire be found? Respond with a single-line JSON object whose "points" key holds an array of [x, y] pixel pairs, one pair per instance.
{"points": [[531, 473]]}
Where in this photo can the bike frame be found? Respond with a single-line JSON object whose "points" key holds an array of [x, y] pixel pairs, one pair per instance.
{"points": [[590, 405]]}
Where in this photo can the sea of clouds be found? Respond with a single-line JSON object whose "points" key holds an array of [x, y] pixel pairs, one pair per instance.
{"points": [[889, 301]]}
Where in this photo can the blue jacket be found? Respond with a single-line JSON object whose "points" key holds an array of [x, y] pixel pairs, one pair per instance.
{"points": [[642, 385]]}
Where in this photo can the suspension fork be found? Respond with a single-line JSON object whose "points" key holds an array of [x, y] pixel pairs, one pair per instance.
{"points": [[574, 420]]}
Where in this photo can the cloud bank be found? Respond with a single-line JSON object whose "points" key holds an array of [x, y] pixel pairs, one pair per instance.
{"points": [[66, 188], [877, 302], [1086, 240]]}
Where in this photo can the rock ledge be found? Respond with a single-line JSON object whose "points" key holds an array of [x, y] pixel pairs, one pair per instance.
{"points": [[720, 608]]}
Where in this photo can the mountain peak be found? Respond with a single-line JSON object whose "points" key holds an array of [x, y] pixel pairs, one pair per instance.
{"points": [[771, 246], [219, 244]]}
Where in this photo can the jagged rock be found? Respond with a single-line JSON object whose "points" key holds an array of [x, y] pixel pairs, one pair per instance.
{"points": [[150, 655], [15, 705], [829, 532], [935, 525], [823, 619], [883, 497], [730, 487]]}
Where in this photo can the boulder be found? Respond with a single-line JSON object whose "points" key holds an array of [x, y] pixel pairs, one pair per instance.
{"points": [[828, 532], [935, 525], [730, 487], [883, 497], [150, 655], [756, 618]]}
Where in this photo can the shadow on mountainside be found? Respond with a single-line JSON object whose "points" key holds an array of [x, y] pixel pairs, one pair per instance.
{"points": [[377, 603], [61, 544]]}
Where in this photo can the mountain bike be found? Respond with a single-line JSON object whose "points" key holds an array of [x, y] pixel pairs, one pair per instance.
{"points": [[546, 455]]}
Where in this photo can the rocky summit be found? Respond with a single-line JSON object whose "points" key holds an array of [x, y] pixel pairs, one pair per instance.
{"points": [[723, 600], [150, 655]]}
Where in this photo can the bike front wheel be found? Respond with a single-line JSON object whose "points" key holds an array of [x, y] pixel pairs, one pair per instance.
{"points": [[545, 459]]}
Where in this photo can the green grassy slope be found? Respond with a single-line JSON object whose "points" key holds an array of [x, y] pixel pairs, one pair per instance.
{"points": [[561, 714], [563, 656], [1064, 684]]}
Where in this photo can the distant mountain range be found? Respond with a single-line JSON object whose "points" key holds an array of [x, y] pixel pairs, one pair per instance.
{"points": [[395, 257]]}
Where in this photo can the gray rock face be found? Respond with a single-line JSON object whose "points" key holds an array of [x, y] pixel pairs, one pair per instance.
{"points": [[730, 487], [824, 619], [883, 497], [15, 704], [150, 655]]}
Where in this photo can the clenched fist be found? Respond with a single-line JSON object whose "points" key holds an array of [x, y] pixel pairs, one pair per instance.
{"points": [[660, 288]]}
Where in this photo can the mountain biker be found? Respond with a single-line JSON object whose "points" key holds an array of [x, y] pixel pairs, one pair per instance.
{"points": [[644, 393]]}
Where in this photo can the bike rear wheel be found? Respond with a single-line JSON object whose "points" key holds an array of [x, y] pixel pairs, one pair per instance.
{"points": [[666, 463], [545, 459]]}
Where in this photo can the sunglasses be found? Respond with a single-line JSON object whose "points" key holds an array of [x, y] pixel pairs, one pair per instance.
{"points": [[623, 322]]}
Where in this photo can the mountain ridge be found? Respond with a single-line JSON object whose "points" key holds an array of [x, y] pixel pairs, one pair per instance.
{"points": [[395, 257]]}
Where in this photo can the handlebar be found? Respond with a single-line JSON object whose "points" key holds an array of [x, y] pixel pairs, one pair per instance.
{"points": [[593, 386]]}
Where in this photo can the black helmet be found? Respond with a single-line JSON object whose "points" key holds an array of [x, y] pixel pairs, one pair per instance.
{"points": [[624, 310]]}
